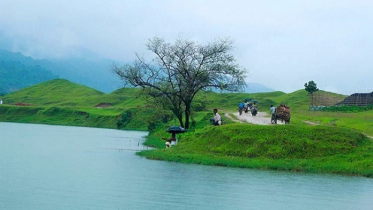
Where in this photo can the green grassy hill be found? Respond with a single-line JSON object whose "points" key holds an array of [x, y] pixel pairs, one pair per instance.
{"points": [[63, 102], [58, 92]]}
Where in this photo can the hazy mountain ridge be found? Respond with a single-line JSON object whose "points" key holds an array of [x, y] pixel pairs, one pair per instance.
{"points": [[18, 71], [257, 88], [96, 73]]}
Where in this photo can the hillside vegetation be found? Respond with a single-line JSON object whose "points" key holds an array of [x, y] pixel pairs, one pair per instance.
{"points": [[65, 103], [315, 141]]}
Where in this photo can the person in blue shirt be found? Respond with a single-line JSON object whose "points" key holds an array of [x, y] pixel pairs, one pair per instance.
{"points": [[240, 107]]}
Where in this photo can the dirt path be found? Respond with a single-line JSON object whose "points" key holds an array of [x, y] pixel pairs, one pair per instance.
{"points": [[261, 118]]}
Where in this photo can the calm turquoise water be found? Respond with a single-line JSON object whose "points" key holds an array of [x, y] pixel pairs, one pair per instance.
{"points": [[59, 167]]}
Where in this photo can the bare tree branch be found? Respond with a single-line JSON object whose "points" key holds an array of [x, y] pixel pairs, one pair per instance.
{"points": [[182, 69]]}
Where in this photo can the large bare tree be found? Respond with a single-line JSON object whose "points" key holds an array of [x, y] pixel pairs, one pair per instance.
{"points": [[180, 70]]}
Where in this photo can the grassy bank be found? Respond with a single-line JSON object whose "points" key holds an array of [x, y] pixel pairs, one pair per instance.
{"points": [[316, 149], [127, 119]]}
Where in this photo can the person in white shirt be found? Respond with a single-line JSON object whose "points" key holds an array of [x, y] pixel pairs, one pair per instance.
{"points": [[217, 117], [172, 141]]}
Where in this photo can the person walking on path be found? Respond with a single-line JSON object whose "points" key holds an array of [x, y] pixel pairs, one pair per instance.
{"points": [[254, 109], [240, 107], [217, 117], [272, 109], [255, 105]]}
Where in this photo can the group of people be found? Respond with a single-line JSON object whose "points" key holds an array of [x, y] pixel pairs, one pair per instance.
{"points": [[217, 121], [247, 106], [173, 140], [254, 106]]}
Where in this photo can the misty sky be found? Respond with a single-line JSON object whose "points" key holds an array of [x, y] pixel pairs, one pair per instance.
{"points": [[283, 44]]}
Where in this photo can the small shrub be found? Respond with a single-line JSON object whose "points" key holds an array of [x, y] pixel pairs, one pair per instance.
{"points": [[352, 109]]}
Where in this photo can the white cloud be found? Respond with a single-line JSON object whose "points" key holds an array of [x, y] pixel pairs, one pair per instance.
{"points": [[283, 43]]}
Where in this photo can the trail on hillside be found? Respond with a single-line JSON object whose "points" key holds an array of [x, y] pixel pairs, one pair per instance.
{"points": [[262, 118]]}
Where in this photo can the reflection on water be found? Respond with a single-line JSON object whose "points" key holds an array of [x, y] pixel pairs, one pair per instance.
{"points": [[60, 167]]}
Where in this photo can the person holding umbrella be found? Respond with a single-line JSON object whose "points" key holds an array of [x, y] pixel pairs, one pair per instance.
{"points": [[173, 130]]}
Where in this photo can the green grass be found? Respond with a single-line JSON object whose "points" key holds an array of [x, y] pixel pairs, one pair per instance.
{"points": [[361, 121], [316, 149]]}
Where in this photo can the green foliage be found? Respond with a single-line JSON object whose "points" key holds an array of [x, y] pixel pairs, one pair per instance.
{"points": [[125, 119], [346, 108], [311, 87], [199, 104]]}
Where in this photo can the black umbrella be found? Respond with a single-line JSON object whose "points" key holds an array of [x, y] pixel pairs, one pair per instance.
{"points": [[176, 129]]}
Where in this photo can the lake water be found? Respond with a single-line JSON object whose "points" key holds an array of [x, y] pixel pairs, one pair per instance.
{"points": [[61, 167]]}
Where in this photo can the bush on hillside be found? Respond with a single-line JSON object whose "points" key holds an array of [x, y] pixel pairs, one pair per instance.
{"points": [[346, 108]]}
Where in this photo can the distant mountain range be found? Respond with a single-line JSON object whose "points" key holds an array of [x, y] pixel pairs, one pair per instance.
{"points": [[18, 71], [257, 88]]}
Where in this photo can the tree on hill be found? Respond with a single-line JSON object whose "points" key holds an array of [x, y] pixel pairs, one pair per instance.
{"points": [[311, 87], [180, 70]]}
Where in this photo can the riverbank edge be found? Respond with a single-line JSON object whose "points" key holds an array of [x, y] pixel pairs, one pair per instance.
{"points": [[357, 163], [153, 139], [291, 165]]}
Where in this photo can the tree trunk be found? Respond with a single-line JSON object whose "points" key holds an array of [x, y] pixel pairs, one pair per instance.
{"points": [[187, 115], [180, 118], [181, 122]]}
